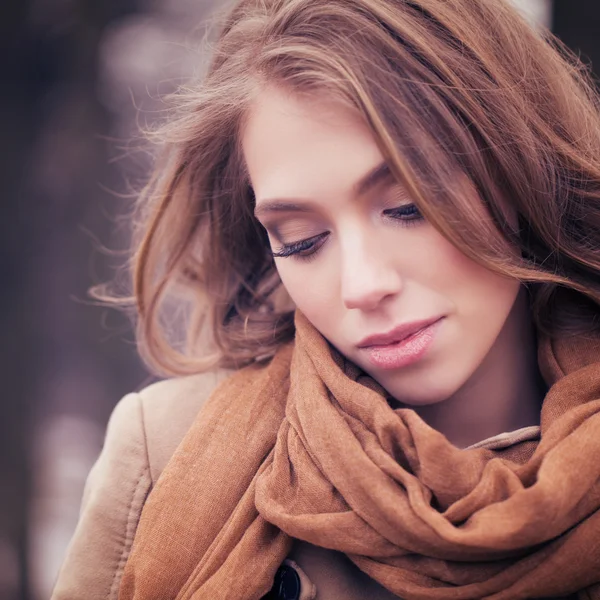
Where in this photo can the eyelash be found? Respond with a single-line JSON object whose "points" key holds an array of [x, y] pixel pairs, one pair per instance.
{"points": [[408, 215]]}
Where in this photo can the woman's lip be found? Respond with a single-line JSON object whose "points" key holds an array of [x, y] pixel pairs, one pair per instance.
{"points": [[397, 334], [406, 352]]}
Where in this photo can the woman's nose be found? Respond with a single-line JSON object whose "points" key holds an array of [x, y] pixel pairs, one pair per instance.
{"points": [[367, 277]]}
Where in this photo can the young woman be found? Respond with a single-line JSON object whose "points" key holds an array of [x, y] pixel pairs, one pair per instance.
{"points": [[382, 218]]}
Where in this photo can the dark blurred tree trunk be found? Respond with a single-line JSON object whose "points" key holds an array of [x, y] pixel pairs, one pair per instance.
{"points": [[577, 23], [20, 120], [48, 61]]}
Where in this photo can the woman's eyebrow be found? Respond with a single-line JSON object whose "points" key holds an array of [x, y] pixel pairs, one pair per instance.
{"points": [[374, 177], [274, 206]]}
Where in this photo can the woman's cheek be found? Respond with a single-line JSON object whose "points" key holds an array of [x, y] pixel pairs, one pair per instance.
{"points": [[311, 289]]}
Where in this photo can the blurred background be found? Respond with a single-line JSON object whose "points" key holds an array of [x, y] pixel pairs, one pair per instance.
{"points": [[79, 79]]}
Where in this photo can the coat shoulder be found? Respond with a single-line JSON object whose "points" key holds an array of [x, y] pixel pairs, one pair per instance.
{"points": [[143, 431], [168, 409]]}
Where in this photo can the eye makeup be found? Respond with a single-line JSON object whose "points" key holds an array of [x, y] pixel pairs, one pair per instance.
{"points": [[302, 248], [407, 215]]}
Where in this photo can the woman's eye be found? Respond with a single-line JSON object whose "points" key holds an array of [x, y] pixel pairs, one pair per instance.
{"points": [[303, 248], [409, 214]]}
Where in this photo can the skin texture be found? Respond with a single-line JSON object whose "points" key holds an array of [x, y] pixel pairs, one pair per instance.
{"points": [[375, 268]]}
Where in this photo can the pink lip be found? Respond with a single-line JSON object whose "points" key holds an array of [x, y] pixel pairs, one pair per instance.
{"points": [[398, 348], [397, 334]]}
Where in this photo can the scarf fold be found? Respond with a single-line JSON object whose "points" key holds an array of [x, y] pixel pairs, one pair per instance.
{"points": [[309, 448]]}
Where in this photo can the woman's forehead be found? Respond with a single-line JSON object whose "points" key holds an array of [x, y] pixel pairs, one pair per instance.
{"points": [[293, 143]]}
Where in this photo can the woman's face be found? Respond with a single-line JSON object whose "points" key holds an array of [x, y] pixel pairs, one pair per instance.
{"points": [[358, 260]]}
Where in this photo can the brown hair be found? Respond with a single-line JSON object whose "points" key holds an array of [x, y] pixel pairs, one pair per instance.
{"points": [[447, 87]]}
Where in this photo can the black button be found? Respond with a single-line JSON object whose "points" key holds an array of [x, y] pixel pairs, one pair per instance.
{"points": [[286, 585]]}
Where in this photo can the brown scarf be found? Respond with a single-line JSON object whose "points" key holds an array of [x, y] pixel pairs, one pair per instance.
{"points": [[309, 448]]}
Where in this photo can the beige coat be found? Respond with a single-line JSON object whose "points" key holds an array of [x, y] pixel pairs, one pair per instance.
{"points": [[143, 432]]}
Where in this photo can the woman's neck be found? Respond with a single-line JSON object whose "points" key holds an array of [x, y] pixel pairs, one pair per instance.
{"points": [[504, 394]]}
